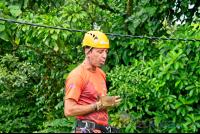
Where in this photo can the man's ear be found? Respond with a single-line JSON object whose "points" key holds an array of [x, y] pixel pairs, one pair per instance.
{"points": [[87, 53], [86, 50]]}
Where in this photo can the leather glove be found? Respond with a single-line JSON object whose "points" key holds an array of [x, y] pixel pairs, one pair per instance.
{"points": [[106, 101]]}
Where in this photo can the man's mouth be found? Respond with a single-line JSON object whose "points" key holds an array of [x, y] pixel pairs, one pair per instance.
{"points": [[102, 62]]}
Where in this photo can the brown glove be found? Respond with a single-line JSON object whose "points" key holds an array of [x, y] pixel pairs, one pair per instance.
{"points": [[106, 101]]}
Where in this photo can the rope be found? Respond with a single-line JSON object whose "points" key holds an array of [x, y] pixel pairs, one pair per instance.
{"points": [[74, 30]]}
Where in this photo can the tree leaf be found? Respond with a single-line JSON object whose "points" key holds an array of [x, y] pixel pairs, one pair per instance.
{"points": [[131, 28], [15, 12], [179, 110], [17, 40], [189, 102], [191, 93], [189, 87], [177, 82], [182, 99], [178, 104], [56, 47], [183, 111], [13, 7], [187, 119], [4, 36], [55, 36], [176, 65], [197, 118], [125, 57], [167, 76], [172, 106], [2, 27]]}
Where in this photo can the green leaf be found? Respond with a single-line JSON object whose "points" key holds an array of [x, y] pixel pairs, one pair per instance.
{"points": [[189, 87], [55, 36], [145, 52], [17, 40], [15, 12], [71, 67], [125, 57], [182, 99], [191, 93], [172, 54], [173, 96], [56, 47], [2, 27], [173, 130], [179, 110], [178, 104], [151, 10], [188, 51], [160, 58], [197, 43], [2, 22], [185, 82], [4, 36], [172, 106], [187, 119], [136, 23], [131, 28], [13, 7], [183, 111], [189, 102], [176, 65], [165, 116], [197, 118], [177, 82], [196, 99], [167, 76], [181, 85], [174, 118], [188, 108]]}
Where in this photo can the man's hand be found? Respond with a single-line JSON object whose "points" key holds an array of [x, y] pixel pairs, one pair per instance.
{"points": [[106, 107]]}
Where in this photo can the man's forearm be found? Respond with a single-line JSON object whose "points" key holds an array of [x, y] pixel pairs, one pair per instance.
{"points": [[77, 110]]}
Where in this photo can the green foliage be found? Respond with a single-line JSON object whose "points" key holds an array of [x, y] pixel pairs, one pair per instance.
{"points": [[18, 111], [164, 90], [64, 125], [157, 79]]}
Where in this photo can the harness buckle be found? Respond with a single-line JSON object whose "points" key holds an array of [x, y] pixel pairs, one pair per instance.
{"points": [[89, 126], [109, 129]]}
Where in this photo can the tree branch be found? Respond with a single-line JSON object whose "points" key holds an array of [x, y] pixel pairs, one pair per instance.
{"points": [[9, 50], [47, 54], [86, 10], [103, 6]]}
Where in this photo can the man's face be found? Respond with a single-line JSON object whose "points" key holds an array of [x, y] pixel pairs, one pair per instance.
{"points": [[98, 56]]}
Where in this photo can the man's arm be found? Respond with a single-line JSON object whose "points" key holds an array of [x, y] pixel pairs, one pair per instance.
{"points": [[72, 109]]}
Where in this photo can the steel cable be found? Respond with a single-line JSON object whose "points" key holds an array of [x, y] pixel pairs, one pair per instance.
{"points": [[74, 30]]}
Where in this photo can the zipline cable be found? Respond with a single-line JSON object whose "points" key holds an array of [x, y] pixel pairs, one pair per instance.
{"points": [[74, 30]]}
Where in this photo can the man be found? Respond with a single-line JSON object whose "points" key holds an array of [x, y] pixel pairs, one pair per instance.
{"points": [[86, 88]]}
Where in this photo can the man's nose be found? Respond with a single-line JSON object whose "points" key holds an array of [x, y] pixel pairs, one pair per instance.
{"points": [[104, 54]]}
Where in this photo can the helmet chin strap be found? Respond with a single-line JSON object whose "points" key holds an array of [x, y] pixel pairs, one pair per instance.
{"points": [[88, 57]]}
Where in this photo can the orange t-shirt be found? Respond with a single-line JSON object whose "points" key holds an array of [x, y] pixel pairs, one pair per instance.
{"points": [[83, 86]]}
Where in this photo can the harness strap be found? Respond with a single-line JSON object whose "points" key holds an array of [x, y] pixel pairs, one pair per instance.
{"points": [[90, 125]]}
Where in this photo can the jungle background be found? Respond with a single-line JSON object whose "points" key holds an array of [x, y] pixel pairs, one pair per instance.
{"points": [[158, 80]]}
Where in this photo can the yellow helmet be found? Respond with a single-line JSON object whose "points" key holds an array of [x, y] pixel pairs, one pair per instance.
{"points": [[96, 39]]}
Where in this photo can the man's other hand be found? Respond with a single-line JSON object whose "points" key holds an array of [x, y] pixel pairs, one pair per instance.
{"points": [[106, 107]]}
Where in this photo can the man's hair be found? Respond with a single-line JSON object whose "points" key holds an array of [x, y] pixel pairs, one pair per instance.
{"points": [[88, 47]]}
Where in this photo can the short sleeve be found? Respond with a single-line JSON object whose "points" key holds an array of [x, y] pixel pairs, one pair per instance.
{"points": [[73, 87], [102, 73]]}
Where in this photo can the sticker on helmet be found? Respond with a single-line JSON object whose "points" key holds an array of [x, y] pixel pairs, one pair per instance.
{"points": [[72, 86], [95, 41], [103, 42]]}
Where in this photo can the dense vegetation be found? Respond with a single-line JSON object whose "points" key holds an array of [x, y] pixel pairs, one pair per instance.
{"points": [[158, 80]]}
